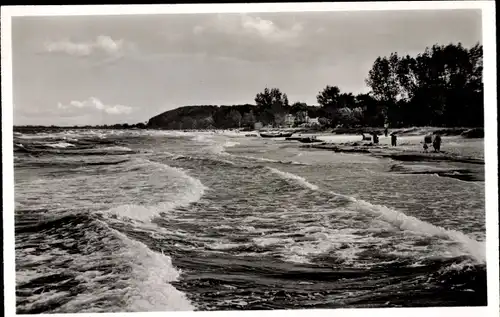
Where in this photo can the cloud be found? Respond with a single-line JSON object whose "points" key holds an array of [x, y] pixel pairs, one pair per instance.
{"points": [[103, 44], [95, 104], [87, 112], [244, 37], [269, 30], [255, 27]]}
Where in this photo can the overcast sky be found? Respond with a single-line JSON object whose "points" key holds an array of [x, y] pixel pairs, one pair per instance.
{"points": [[114, 69]]}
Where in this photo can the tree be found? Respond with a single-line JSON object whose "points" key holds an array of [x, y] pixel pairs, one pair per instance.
{"points": [[270, 98], [273, 104], [441, 86], [285, 101], [329, 97], [187, 123], [298, 107], [279, 119], [248, 119], [300, 117], [206, 123], [346, 100], [324, 121], [234, 117], [329, 101], [382, 79]]}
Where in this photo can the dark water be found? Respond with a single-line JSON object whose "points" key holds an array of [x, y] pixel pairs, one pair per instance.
{"points": [[110, 221]]}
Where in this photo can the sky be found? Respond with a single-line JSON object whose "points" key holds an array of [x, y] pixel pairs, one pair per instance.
{"points": [[79, 70]]}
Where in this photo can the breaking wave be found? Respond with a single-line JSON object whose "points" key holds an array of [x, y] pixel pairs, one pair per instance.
{"points": [[473, 248], [81, 265], [188, 190]]}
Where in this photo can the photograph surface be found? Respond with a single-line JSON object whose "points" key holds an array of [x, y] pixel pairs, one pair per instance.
{"points": [[249, 161]]}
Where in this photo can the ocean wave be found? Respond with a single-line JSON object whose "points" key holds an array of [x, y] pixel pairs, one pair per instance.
{"points": [[66, 163], [401, 221], [76, 263], [59, 146], [470, 175], [191, 190], [289, 176], [214, 161], [409, 223], [153, 272]]}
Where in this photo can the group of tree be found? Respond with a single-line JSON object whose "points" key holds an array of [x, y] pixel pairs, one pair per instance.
{"points": [[440, 87]]}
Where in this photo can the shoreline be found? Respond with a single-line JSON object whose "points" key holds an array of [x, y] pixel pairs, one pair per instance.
{"points": [[471, 172], [416, 131], [394, 153], [470, 132]]}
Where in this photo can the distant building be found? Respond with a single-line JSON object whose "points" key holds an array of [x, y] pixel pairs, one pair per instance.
{"points": [[257, 126], [312, 121]]}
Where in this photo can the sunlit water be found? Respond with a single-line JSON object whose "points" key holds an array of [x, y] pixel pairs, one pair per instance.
{"points": [[110, 221]]}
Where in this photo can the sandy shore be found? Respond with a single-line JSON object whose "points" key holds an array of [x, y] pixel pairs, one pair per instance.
{"points": [[465, 156], [395, 153]]}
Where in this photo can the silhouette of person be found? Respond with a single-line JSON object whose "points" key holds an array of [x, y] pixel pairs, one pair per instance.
{"points": [[437, 143], [394, 139]]}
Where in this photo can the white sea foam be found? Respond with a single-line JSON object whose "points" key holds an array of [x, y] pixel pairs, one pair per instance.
{"points": [[116, 148], [152, 272], [267, 241], [225, 245], [409, 223], [220, 148], [231, 144], [301, 180], [200, 138], [60, 145], [145, 288], [191, 191]]}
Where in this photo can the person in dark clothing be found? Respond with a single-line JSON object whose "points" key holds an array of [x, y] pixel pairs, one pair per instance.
{"points": [[386, 132], [393, 139], [425, 147], [375, 138], [428, 138], [437, 143]]}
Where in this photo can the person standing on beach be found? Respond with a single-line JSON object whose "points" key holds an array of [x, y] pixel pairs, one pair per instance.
{"points": [[437, 143], [394, 139], [386, 132], [428, 138]]}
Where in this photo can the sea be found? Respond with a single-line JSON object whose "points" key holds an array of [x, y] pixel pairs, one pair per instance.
{"points": [[150, 220]]}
